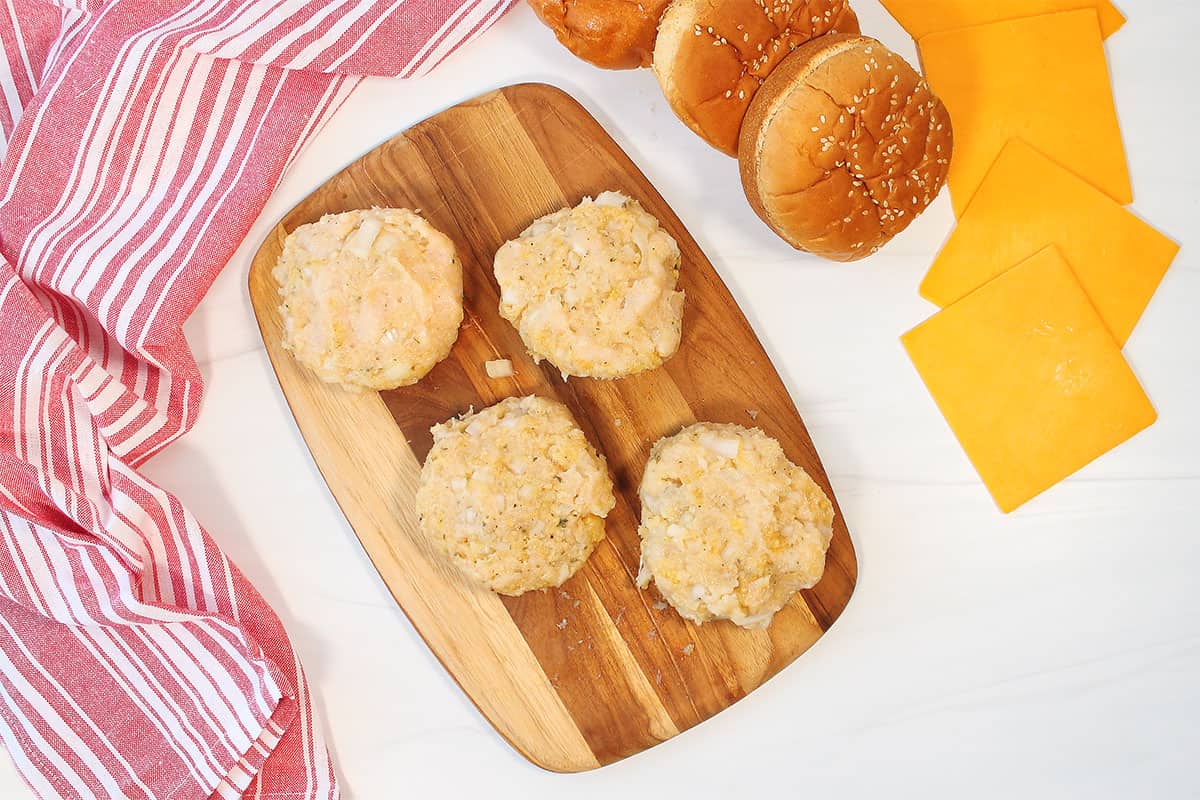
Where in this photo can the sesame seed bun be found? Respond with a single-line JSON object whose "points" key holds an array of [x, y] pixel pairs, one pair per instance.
{"points": [[613, 34], [843, 146], [712, 55]]}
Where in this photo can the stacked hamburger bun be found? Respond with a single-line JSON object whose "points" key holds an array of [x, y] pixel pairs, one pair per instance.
{"points": [[614, 34], [843, 146], [840, 142], [712, 55]]}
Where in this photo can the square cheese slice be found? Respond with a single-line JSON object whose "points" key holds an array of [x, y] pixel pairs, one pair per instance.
{"points": [[1042, 79], [1029, 378], [1028, 202], [923, 17]]}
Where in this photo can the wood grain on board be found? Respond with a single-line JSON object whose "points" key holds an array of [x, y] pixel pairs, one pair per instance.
{"points": [[590, 673]]}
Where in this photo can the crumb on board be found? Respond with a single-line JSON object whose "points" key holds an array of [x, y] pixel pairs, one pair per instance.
{"points": [[575, 604], [500, 368], [752, 413], [653, 634], [689, 649], [617, 422], [562, 624]]}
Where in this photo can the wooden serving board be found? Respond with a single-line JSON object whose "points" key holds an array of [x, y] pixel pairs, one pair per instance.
{"points": [[585, 675]]}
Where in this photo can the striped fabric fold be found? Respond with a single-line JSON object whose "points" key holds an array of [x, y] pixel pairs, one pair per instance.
{"points": [[139, 141]]}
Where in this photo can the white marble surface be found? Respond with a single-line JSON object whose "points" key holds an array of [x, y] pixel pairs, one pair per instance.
{"points": [[1052, 653]]}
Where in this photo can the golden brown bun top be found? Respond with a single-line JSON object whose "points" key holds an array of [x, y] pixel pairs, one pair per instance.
{"points": [[712, 55], [614, 34], [843, 146]]}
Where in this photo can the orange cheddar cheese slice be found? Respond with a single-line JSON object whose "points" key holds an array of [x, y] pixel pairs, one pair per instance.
{"points": [[1029, 378], [923, 17], [1027, 202], [1042, 79]]}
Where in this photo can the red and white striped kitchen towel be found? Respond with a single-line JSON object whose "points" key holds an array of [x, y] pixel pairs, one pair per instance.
{"points": [[141, 140]]}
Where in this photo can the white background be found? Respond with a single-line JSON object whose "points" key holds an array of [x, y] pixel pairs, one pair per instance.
{"points": [[1054, 652]]}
